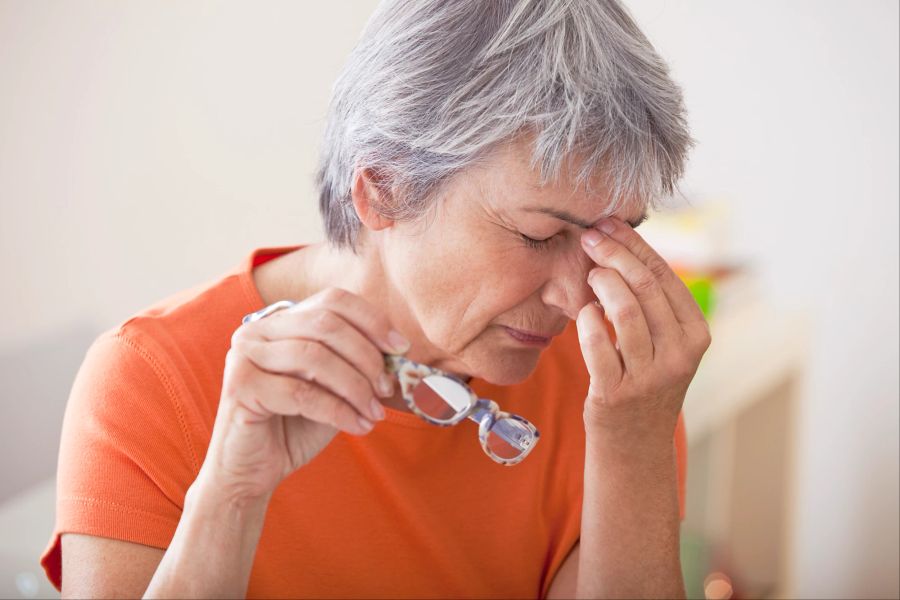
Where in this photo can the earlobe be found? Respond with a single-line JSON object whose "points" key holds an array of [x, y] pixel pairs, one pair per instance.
{"points": [[369, 195]]}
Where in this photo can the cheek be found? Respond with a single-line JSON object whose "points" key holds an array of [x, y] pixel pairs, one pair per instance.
{"points": [[456, 295], [435, 280]]}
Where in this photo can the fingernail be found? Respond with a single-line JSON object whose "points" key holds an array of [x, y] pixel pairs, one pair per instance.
{"points": [[607, 226], [399, 343], [377, 409], [384, 385], [592, 237], [366, 424]]}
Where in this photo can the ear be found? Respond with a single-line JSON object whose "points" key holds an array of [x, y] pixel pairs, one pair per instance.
{"points": [[369, 192]]}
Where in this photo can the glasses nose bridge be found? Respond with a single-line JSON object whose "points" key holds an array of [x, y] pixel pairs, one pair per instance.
{"points": [[484, 407], [484, 411]]}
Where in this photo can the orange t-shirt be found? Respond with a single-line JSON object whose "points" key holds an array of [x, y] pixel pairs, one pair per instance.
{"points": [[410, 510]]}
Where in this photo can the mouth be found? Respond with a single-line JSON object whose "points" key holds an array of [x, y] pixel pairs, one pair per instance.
{"points": [[528, 337]]}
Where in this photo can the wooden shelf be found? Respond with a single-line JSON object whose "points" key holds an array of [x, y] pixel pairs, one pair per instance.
{"points": [[753, 349], [739, 416]]}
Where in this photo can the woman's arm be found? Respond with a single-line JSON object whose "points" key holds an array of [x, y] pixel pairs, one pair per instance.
{"points": [[642, 340], [629, 522], [99, 567], [628, 529], [210, 555], [227, 530], [291, 381]]}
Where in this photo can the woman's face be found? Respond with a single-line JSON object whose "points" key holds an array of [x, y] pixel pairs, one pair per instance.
{"points": [[466, 273]]}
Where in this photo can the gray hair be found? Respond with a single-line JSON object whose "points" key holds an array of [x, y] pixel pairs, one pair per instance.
{"points": [[434, 85]]}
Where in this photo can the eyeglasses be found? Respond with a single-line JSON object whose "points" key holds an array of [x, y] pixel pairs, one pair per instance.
{"points": [[443, 399]]}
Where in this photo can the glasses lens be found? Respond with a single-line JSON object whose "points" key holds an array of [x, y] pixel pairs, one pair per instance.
{"points": [[509, 438], [441, 398]]}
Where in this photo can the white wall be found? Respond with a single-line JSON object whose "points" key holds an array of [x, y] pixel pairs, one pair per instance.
{"points": [[795, 105], [145, 147]]}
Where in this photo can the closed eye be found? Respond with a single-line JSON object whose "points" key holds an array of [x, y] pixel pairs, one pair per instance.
{"points": [[536, 244]]}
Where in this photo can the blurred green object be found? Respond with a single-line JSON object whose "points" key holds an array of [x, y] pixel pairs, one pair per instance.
{"points": [[702, 289], [694, 563]]}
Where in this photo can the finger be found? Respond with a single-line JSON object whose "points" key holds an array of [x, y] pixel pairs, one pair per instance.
{"points": [[322, 406], [681, 300], [316, 363], [604, 363], [607, 252], [623, 309], [272, 394], [358, 312], [331, 329]]}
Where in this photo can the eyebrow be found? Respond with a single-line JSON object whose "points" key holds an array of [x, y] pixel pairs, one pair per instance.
{"points": [[569, 217]]}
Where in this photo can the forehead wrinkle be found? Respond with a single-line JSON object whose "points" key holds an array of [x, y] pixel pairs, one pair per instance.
{"points": [[573, 219]]}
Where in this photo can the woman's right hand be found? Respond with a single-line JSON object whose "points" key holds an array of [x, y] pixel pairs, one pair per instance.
{"points": [[291, 381]]}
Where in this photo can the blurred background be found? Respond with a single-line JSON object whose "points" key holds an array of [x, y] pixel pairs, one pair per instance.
{"points": [[146, 147]]}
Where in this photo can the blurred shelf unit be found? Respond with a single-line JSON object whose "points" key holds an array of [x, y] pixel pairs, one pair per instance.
{"points": [[740, 428]]}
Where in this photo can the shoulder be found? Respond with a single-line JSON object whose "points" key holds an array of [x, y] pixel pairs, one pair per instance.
{"points": [[204, 315], [152, 382]]}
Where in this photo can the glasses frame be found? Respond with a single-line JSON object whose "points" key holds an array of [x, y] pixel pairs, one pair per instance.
{"points": [[267, 310], [409, 373], [485, 412]]}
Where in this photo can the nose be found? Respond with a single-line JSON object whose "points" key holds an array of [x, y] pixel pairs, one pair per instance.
{"points": [[567, 287]]}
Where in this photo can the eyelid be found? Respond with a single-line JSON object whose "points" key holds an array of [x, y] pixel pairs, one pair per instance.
{"points": [[537, 244], [537, 239]]}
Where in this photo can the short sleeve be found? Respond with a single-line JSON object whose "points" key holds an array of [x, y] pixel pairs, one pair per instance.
{"points": [[125, 459]]}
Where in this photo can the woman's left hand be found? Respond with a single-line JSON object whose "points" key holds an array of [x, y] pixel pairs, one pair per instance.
{"points": [[641, 366]]}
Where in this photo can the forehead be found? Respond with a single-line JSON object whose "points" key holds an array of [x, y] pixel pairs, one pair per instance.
{"points": [[580, 221], [516, 188]]}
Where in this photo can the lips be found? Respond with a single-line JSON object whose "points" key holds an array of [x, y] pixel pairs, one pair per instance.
{"points": [[528, 337]]}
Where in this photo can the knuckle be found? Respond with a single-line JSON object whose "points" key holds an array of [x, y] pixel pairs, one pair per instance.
{"points": [[606, 250], [373, 318], [706, 335], [239, 336], [306, 352], [242, 347], [593, 339], [232, 356], [658, 267], [704, 338], [583, 314], [679, 367], [334, 295], [595, 275], [339, 414], [302, 390], [645, 283], [237, 376], [326, 322], [627, 312]]}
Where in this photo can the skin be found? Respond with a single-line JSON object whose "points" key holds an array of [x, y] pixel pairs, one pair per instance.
{"points": [[446, 278], [444, 283]]}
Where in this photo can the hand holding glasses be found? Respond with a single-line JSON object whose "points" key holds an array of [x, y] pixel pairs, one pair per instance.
{"points": [[443, 399]]}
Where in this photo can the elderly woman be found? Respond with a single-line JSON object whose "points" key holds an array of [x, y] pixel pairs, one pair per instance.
{"points": [[472, 389]]}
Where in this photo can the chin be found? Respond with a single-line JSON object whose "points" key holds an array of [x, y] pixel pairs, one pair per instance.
{"points": [[502, 366]]}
